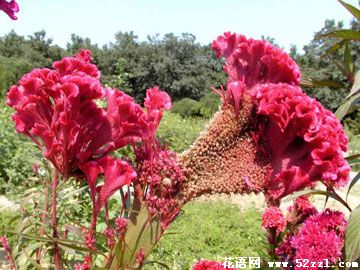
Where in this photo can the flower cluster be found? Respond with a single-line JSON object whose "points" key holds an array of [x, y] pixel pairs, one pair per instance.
{"points": [[300, 211], [321, 236], [268, 136], [58, 109], [273, 219], [10, 8], [5, 244]]}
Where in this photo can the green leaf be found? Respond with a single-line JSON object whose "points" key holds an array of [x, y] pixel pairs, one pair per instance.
{"points": [[352, 237], [311, 192], [353, 10], [306, 82], [343, 34], [346, 107], [356, 86], [352, 183], [142, 232], [156, 262], [334, 48], [347, 59]]}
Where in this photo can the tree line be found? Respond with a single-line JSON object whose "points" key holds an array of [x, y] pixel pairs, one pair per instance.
{"points": [[178, 64]]}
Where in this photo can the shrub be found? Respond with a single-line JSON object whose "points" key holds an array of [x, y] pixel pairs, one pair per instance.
{"points": [[186, 107], [209, 104]]}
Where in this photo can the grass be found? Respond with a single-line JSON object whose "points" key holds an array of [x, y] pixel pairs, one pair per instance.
{"points": [[210, 231], [178, 132]]}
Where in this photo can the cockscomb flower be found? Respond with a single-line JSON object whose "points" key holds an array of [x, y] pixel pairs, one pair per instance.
{"points": [[57, 109], [209, 265], [268, 136], [117, 173], [273, 219], [300, 210], [320, 237], [10, 8], [156, 102]]}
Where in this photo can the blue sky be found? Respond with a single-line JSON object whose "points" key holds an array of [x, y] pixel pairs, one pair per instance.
{"points": [[288, 21]]}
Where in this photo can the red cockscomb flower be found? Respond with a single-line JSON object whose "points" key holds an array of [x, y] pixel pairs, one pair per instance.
{"points": [[320, 237], [268, 136], [273, 219], [300, 211], [57, 109], [10, 8], [117, 173]]}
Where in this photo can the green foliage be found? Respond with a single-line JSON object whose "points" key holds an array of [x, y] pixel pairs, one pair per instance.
{"points": [[352, 243], [179, 133], [205, 107], [186, 107], [17, 154], [209, 104], [210, 231]]}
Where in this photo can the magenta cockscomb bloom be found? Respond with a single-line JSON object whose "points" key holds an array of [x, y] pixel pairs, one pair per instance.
{"points": [[156, 102], [268, 136], [273, 219], [320, 237], [10, 8], [209, 265], [117, 173], [57, 109], [300, 210]]}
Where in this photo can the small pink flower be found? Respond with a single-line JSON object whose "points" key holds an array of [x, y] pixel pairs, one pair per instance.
{"points": [[120, 227], [84, 265], [209, 265], [10, 8], [140, 256], [301, 210], [110, 235], [273, 219], [89, 239]]}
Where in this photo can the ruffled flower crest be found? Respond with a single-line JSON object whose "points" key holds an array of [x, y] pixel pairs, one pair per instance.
{"points": [[268, 136]]}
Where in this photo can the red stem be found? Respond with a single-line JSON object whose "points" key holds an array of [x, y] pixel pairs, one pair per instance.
{"points": [[54, 185], [43, 220]]}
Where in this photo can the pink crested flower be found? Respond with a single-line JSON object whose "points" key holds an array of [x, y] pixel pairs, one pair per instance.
{"points": [[273, 219], [320, 237], [155, 102], [57, 109], [268, 136], [249, 62], [300, 210], [306, 142], [117, 173], [126, 117], [10, 8], [209, 265]]}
